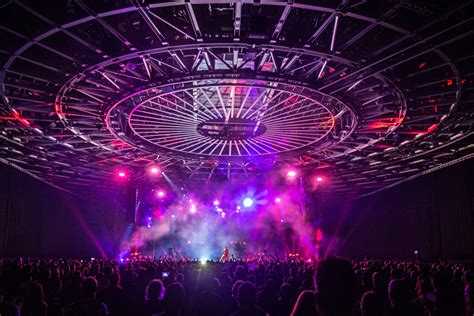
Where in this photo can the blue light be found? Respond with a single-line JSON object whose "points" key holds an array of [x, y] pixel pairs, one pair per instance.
{"points": [[247, 202]]}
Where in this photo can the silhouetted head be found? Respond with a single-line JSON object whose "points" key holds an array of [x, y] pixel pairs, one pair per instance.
{"points": [[155, 290], [115, 279], [399, 292], [286, 291], [89, 287], [235, 288], [174, 297], [247, 296], [336, 285], [372, 304], [378, 282], [37, 293]]}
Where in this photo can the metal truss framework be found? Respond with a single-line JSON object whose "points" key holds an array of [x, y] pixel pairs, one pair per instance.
{"points": [[367, 95]]}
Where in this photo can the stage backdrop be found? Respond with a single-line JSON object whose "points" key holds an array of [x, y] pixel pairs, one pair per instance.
{"points": [[37, 220], [433, 214]]}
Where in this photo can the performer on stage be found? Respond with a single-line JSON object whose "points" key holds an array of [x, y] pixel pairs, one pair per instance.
{"points": [[225, 255], [170, 253]]}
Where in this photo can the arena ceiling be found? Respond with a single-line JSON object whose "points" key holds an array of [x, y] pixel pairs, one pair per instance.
{"points": [[368, 93]]}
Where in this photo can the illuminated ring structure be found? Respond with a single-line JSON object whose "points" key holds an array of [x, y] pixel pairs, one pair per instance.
{"points": [[145, 92], [232, 119]]}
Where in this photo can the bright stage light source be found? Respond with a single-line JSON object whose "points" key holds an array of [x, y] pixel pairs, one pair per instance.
{"points": [[223, 214], [216, 202], [203, 261], [277, 200], [160, 194], [192, 209], [121, 174], [247, 202], [319, 179], [291, 174], [154, 170]]}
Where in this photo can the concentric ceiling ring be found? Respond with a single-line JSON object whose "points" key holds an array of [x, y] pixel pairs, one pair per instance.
{"points": [[231, 119]]}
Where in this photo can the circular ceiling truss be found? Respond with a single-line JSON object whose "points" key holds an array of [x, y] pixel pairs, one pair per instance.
{"points": [[369, 95], [226, 120]]}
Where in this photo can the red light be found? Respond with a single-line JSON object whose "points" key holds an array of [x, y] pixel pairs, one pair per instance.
{"points": [[386, 122], [319, 234], [432, 128], [449, 82], [17, 116], [422, 65], [121, 174]]}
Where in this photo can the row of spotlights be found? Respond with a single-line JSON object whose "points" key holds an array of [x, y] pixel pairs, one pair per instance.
{"points": [[156, 170]]}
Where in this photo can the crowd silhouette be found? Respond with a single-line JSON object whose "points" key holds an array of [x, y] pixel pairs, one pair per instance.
{"points": [[331, 287]]}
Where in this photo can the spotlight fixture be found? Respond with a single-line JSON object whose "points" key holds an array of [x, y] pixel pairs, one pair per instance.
{"points": [[247, 202], [319, 179], [291, 174], [192, 209], [216, 202], [160, 194], [154, 170], [277, 200], [121, 174]]}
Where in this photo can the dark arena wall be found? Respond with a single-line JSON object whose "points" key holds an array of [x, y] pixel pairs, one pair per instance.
{"points": [[37, 220], [433, 214]]}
